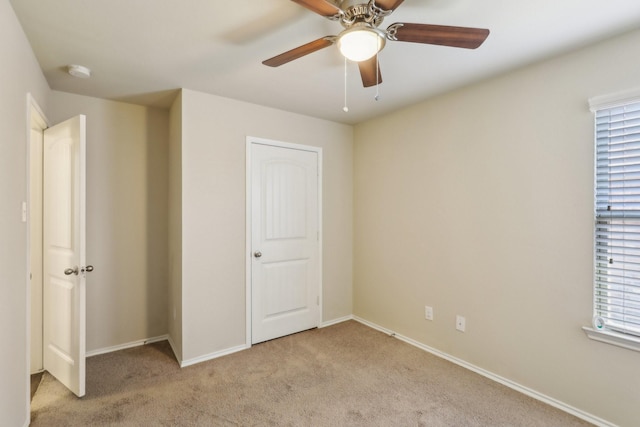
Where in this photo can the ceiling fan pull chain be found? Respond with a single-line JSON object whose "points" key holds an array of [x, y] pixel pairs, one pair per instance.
{"points": [[345, 108]]}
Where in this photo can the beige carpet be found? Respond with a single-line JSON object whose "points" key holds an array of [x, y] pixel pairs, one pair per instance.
{"points": [[343, 375]]}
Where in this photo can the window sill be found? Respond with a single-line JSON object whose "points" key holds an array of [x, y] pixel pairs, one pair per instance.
{"points": [[613, 338]]}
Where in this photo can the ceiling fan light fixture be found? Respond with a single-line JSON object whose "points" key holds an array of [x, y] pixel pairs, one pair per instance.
{"points": [[360, 43]]}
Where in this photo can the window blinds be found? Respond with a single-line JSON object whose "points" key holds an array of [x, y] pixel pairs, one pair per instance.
{"points": [[617, 223]]}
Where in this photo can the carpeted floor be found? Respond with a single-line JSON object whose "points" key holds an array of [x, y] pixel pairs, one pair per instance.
{"points": [[35, 382], [343, 375]]}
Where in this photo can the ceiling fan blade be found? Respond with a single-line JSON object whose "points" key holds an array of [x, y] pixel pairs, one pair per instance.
{"points": [[321, 7], [388, 4], [468, 38], [299, 51], [368, 70]]}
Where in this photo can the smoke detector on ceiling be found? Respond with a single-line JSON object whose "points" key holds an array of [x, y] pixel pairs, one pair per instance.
{"points": [[79, 71]]}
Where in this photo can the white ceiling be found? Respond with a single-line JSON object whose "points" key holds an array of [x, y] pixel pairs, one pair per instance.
{"points": [[140, 51]]}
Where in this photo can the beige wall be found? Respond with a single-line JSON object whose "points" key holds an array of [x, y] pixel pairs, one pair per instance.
{"points": [[479, 203], [214, 132], [19, 75], [127, 218]]}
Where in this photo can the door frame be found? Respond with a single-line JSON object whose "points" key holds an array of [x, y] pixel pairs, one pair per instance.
{"points": [[36, 120], [250, 141]]}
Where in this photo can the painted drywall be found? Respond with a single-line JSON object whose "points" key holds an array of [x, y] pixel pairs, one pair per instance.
{"points": [[479, 203], [127, 217], [19, 75], [214, 132], [175, 227]]}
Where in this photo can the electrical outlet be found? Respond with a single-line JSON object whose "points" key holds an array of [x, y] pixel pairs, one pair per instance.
{"points": [[428, 312], [460, 323]]}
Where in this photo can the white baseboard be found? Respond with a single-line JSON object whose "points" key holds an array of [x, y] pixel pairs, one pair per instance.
{"points": [[335, 321], [214, 355], [225, 352], [125, 346], [490, 375]]}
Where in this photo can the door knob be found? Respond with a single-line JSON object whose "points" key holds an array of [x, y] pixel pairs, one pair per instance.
{"points": [[70, 271], [75, 270], [257, 254]]}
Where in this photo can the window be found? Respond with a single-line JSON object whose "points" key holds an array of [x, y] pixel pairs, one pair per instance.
{"points": [[617, 220]]}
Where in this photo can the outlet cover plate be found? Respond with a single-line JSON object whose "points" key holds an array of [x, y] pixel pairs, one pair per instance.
{"points": [[460, 323], [428, 312]]}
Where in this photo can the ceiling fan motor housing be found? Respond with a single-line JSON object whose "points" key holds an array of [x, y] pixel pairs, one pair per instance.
{"points": [[361, 12]]}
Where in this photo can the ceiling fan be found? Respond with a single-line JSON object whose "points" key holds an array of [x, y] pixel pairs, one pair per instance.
{"points": [[361, 39]]}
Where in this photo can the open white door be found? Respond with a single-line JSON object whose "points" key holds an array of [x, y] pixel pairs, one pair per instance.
{"points": [[285, 222], [64, 253]]}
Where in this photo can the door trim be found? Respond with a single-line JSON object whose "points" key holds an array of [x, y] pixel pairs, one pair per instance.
{"points": [[250, 141], [36, 120]]}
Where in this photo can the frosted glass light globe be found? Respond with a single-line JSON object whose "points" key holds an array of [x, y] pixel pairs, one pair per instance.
{"points": [[360, 43]]}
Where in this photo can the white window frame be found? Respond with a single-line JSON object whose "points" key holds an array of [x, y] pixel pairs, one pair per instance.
{"points": [[598, 331]]}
